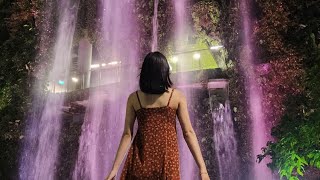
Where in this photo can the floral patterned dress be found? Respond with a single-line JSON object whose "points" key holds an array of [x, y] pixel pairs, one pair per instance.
{"points": [[154, 154]]}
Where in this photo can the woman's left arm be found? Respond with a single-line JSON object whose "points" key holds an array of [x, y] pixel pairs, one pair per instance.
{"points": [[126, 135]]}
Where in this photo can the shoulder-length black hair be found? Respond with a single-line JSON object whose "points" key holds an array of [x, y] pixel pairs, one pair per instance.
{"points": [[155, 74]]}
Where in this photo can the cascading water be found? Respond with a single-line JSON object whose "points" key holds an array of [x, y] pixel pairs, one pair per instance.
{"points": [[187, 164], [87, 166], [224, 139], [224, 135], [40, 148], [181, 26], [154, 45], [104, 119], [254, 94]]}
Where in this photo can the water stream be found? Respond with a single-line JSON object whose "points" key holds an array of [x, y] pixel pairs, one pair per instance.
{"points": [[224, 140], [41, 146], [258, 128], [104, 116], [154, 45]]}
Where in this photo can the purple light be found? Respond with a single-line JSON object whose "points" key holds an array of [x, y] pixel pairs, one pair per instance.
{"points": [[263, 69], [188, 166], [259, 131], [105, 113], [154, 44], [40, 149], [216, 84]]}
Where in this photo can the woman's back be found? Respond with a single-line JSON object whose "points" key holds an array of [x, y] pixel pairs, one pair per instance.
{"points": [[154, 152]]}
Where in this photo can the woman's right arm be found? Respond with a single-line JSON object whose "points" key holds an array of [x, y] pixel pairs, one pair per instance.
{"points": [[190, 136], [127, 136]]}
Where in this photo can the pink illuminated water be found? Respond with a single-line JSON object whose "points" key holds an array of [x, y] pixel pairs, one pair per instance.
{"points": [[188, 166], [259, 131], [181, 22], [99, 136], [41, 145], [224, 139], [154, 45], [104, 118]]}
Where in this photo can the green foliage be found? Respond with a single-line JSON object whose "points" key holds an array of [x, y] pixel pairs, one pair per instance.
{"points": [[312, 81], [298, 145], [17, 52], [5, 97], [15, 65]]}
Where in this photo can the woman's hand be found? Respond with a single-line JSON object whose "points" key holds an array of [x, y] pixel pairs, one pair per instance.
{"points": [[112, 175], [204, 176]]}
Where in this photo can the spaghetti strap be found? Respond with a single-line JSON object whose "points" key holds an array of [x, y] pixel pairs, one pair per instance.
{"points": [[170, 97], [138, 99]]}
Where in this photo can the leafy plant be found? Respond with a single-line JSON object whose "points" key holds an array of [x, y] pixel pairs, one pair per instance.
{"points": [[17, 51], [298, 145]]}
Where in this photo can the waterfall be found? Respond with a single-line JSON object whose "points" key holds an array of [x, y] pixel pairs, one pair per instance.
{"points": [[154, 45], [41, 144], [188, 166], [224, 140], [87, 167], [254, 94], [105, 113]]}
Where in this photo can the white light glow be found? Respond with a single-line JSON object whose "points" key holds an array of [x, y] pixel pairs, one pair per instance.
{"points": [[103, 64], [114, 63], [216, 47], [93, 66], [196, 56], [175, 59], [74, 79]]}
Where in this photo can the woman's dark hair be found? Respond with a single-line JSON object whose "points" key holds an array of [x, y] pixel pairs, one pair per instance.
{"points": [[155, 74]]}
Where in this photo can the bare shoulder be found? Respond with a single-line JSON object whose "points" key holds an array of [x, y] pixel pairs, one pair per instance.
{"points": [[179, 95], [131, 97]]}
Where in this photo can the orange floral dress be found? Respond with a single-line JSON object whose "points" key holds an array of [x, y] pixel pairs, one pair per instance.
{"points": [[154, 154]]}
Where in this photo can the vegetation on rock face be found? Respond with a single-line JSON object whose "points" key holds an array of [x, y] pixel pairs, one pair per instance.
{"points": [[286, 73], [144, 10], [207, 22], [206, 17], [290, 41], [17, 52]]}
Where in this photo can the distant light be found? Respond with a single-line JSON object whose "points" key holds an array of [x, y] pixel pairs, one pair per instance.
{"points": [[175, 59], [61, 82], [114, 63], [74, 79], [196, 56], [103, 64], [93, 66], [170, 67], [215, 47]]}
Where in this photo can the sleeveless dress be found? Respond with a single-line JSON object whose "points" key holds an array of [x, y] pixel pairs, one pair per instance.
{"points": [[154, 154]]}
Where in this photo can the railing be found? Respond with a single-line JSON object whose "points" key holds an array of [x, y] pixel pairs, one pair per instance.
{"points": [[95, 77]]}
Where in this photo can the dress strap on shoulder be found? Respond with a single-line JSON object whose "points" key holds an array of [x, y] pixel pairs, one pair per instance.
{"points": [[138, 99], [170, 97]]}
